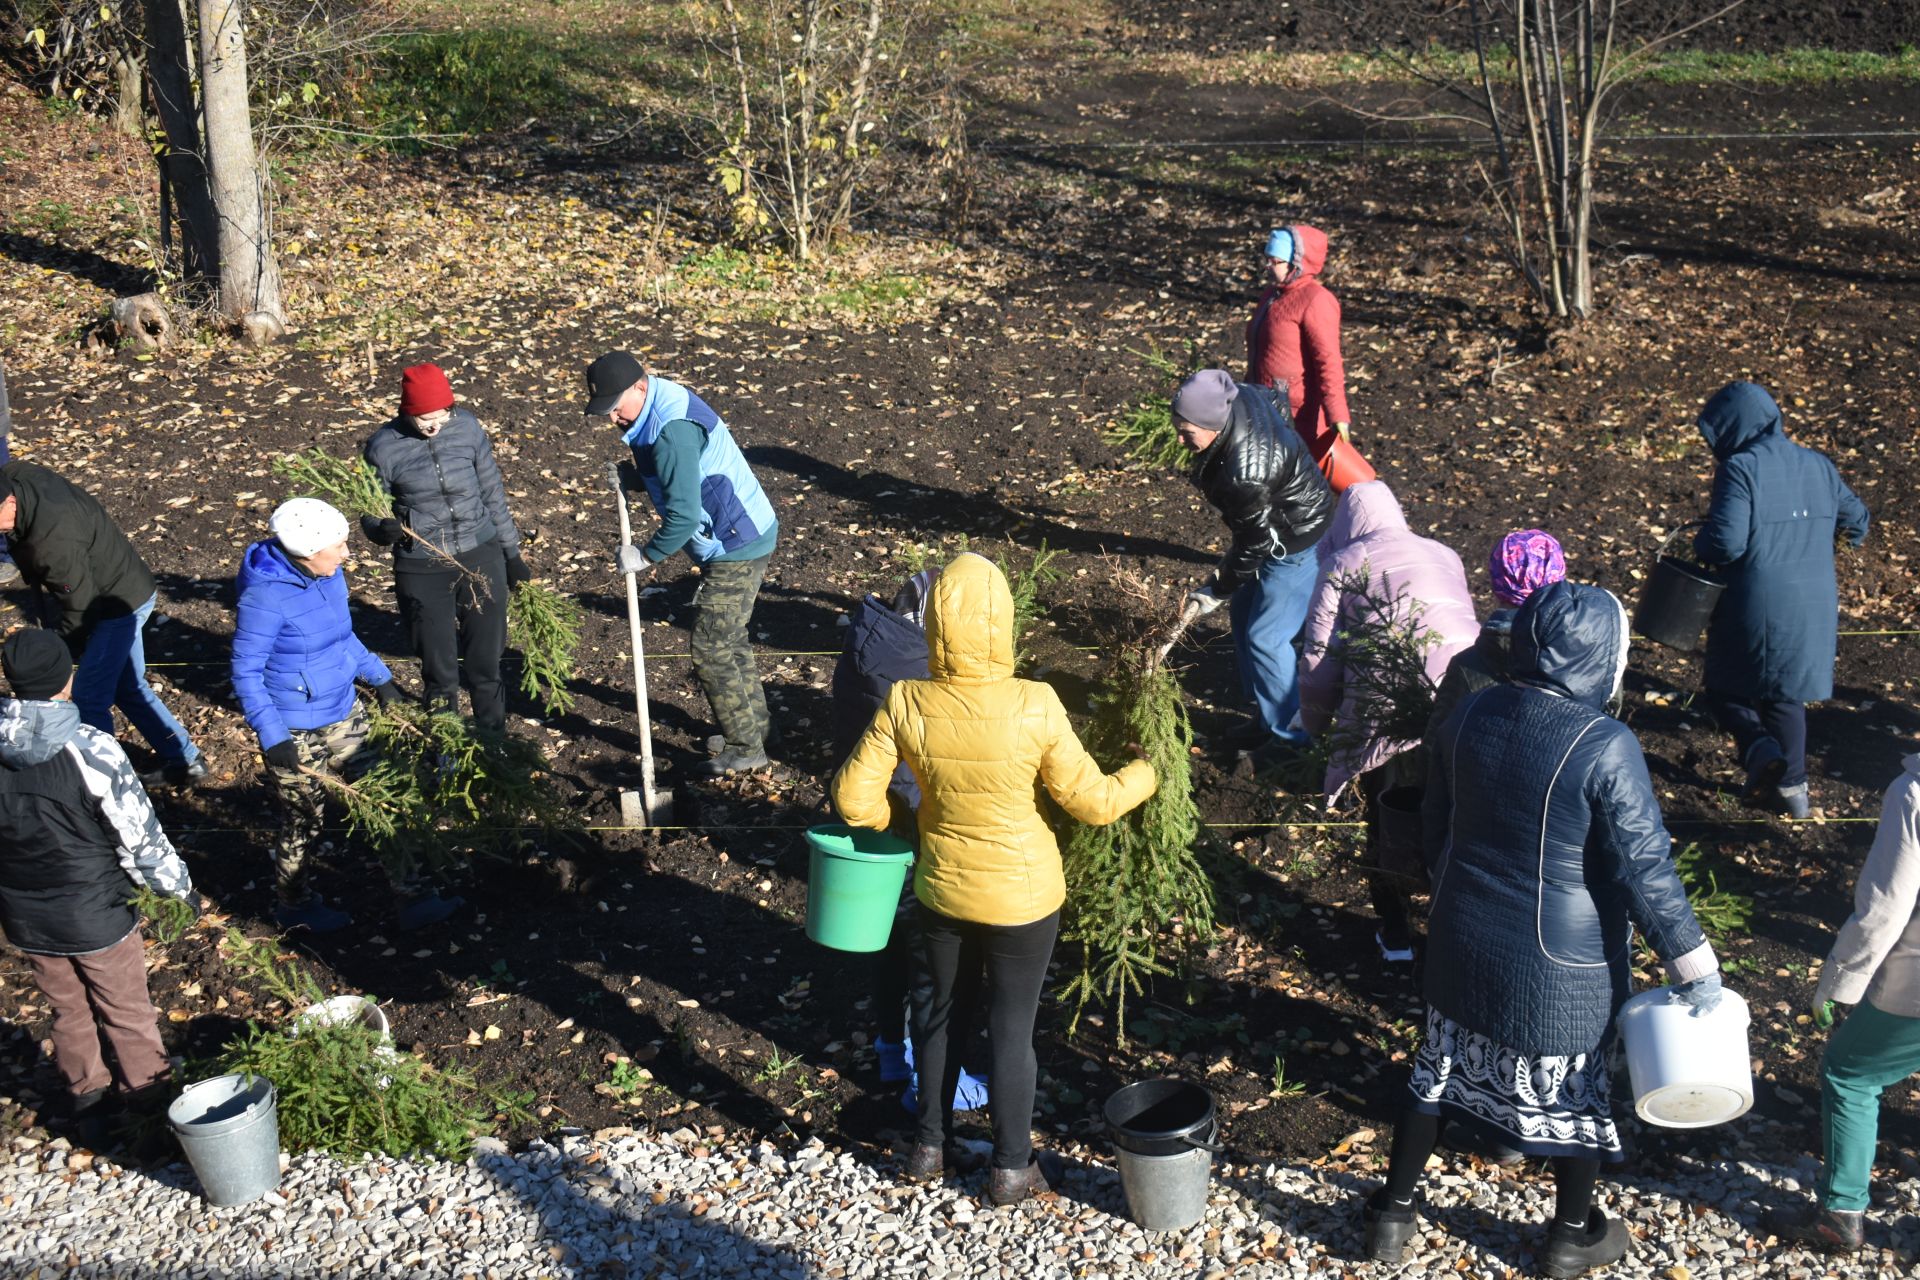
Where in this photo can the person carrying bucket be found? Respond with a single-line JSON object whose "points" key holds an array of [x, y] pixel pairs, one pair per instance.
{"points": [[884, 645], [1258, 475], [1381, 587], [1547, 850], [77, 835], [988, 878], [1874, 966], [1770, 531]]}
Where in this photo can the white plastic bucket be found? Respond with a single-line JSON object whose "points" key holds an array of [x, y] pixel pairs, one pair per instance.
{"points": [[1687, 1072]]}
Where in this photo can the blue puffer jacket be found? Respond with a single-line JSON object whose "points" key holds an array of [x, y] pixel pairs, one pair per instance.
{"points": [[294, 652], [1771, 528], [1545, 841]]}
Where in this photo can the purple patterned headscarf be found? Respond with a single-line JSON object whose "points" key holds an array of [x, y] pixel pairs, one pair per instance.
{"points": [[1523, 562]]}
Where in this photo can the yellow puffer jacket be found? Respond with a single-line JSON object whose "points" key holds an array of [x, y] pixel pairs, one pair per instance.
{"points": [[979, 742]]}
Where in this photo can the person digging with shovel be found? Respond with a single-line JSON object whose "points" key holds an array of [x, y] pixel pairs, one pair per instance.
{"points": [[712, 507]]}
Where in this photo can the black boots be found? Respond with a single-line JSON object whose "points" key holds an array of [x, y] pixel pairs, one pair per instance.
{"points": [[1388, 1227], [1573, 1251], [1834, 1230]]}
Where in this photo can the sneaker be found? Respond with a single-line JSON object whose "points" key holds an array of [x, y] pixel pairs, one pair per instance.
{"points": [[9, 573], [1573, 1251], [1834, 1230], [893, 1060], [187, 774], [1399, 951], [429, 909], [732, 761], [1794, 801], [969, 1095], [313, 915], [1387, 1228]]}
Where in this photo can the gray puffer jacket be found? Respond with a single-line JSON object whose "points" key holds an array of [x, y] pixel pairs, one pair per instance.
{"points": [[446, 490]]}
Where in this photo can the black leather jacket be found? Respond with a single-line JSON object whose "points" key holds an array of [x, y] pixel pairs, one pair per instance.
{"points": [[1258, 474]]}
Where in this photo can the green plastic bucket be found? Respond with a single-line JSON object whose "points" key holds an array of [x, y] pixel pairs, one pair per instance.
{"points": [[854, 880]]}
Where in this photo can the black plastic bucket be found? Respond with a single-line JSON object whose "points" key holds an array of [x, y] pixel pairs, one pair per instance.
{"points": [[1679, 599], [1161, 1118], [1398, 847]]}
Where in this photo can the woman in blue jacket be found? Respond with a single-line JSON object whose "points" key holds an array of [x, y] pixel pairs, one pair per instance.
{"points": [[295, 659], [1770, 647], [1546, 848]]}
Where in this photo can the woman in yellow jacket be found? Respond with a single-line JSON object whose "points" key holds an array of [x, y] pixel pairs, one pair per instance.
{"points": [[988, 876]]}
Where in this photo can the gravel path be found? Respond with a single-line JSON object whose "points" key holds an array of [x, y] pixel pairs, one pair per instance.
{"points": [[618, 1204]]}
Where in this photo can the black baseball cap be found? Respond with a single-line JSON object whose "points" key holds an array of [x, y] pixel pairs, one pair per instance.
{"points": [[608, 379]]}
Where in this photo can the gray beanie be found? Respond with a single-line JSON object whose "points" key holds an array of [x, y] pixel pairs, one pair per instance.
{"points": [[1206, 399]]}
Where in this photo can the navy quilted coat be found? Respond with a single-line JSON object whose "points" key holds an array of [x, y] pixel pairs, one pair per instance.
{"points": [[1545, 841], [294, 652], [1771, 529]]}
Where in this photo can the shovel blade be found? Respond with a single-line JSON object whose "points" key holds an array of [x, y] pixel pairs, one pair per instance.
{"points": [[634, 809]]}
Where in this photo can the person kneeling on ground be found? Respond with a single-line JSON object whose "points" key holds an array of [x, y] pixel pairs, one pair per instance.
{"points": [[1378, 579], [988, 877], [295, 658], [1547, 850], [1874, 966], [77, 833]]}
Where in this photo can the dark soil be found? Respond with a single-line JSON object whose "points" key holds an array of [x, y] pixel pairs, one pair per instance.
{"points": [[684, 951]]}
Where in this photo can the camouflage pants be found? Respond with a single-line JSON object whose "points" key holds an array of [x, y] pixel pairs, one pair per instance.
{"points": [[723, 654], [339, 749]]}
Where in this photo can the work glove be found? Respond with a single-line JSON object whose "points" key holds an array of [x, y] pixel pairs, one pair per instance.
{"points": [[1201, 601], [283, 755], [1823, 1001], [388, 694], [383, 533], [1702, 995], [517, 571], [630, 560], [196, 900]]}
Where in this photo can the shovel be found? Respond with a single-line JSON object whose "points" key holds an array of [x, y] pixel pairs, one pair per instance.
{"points": [[649, 806]]}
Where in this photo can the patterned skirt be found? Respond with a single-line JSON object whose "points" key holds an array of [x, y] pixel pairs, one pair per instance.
{"points": [[1544, 1106]]}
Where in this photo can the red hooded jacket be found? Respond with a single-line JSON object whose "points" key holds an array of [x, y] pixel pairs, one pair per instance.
{"points": [[1294, 336]]}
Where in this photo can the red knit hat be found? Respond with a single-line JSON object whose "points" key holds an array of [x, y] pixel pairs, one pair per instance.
{"points": [[424, 389]]}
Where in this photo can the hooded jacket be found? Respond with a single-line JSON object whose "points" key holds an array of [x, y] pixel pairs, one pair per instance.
{"points": [[294, 652], [447, 490], [981, 743], [1545, 842], [1770, 530], [1481, 665], [1373, 571], [66, 544], [1876, 956], [77, 833], [1259, 477], [1294, 337]]}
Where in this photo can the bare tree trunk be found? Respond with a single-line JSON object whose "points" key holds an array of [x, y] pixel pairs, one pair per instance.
{"points": [[129, 101], [856, 113], [249, 275], [183, 171]]}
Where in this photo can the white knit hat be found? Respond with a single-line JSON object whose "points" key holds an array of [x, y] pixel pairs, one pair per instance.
{"points": [[303, 526]]}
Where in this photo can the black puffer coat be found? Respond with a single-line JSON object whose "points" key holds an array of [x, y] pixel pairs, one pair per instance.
{"points": [[446, 490], [1258, 474], [68, 546], [1546, 844]]}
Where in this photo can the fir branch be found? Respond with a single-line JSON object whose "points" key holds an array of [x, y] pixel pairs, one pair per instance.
{"points": [[544, 625]]}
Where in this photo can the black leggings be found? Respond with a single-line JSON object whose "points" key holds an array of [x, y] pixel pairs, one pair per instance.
{"points": [[959, 966], [1418, 1132]]}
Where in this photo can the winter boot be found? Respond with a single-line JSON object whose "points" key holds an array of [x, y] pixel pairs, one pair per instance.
{"points": [[1008, 1187], [1834, 1230], [1388, 1227], [427, 909], [1574, 1251], [1765, 767]]}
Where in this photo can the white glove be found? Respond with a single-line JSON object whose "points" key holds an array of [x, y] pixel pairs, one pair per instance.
{"points": [[1201, 601], [630, 560]]}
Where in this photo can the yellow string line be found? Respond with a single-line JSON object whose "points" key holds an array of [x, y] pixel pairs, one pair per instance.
{"points": [[834, 653]]}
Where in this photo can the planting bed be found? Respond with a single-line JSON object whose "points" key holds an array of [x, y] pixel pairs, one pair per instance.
{"points": [[980, 414]]}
